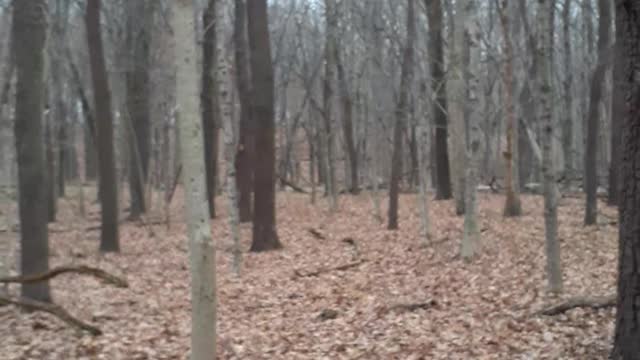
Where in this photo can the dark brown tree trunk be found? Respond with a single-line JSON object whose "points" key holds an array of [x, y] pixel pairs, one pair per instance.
{"points": [[209, 104], [438, 86], [139, 22], [265, 235], [245, 151], [626, 345], [617, 115], [52, 199], [29, 35], [108, 191], [597, 84], [402, 113], [347, 124]]}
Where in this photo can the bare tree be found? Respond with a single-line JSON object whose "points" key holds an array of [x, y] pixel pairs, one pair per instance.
{"points": [[265, 236], [439, 87], [402, 115], [545, 94], [245, 152], [210, 111], [626, 343], [108, 191], [201, 249], [29, 33], [512, 206]]}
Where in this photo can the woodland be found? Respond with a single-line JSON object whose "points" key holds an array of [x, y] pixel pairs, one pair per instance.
{"points": [[319, 179]]}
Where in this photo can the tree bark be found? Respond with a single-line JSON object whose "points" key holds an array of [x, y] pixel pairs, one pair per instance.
{"points": [[471, 103], [29, 32], [201, 249], [457, 103], [245, 152], [597, 85], [512, 205], [265, 236], [139, 23], [567, 126], [617, 114], [626, 345], [327, 102], [438, 86], [545, 114], [402, 113], [108, 191], [210, 111], [347, 124]]}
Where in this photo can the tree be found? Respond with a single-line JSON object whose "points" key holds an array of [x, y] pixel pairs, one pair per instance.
{"points": [[472, 149], [29, 34], [567, 128], [139, 22], [545, 114], [327, 136], [626, 344], [512, 205], [201, 249], [457, 103], [108, 191], [402, 115], [617, 114], [265, 236], [210, 111], [438, 86], [597, 84], [245, 153]]}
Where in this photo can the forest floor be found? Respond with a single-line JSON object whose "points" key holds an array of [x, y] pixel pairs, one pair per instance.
{"points": [[280, 309]]}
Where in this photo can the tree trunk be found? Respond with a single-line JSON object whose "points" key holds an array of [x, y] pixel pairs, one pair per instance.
{"points": [[457, 107], [402, 114], [29, 34], [265, 236], [201, 250], [597, 85], [209, 106], [626, 345], [472, 35], [617, 114], [545, 113], [327, 101], [139, 23], [347, 124], [567, 126], [108, 191], [512, 205], [438, 86], [245, 151]]}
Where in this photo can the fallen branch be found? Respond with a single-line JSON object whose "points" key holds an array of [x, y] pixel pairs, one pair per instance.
{"points": [[52, 309], [316, 234], [81, 269], [331, 269], [411, 307], [293, 186], [580, 302]]}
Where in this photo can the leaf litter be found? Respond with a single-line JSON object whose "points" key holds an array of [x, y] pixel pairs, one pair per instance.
{"points": [[398, 300]]}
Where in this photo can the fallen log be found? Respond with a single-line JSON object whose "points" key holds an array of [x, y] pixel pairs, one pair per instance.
{"points": [[293, 186], [331, 269], [580, 302], [411, 307], [52, 309], [79, 269]]}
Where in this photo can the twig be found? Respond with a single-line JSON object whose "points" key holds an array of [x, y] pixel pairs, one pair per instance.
{"points": [[316, 234], [52, 309], [80, 269], [580, 302]]}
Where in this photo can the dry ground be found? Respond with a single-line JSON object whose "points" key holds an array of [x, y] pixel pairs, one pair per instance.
{"points": [[479, 310]]}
